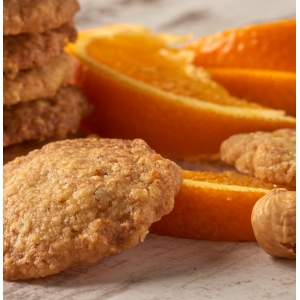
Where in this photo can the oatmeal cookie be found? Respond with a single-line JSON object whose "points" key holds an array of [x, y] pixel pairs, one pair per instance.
{"points": [[21, 16], [21, 149], [77, 201], [42, 118], [29, 50], [270, 156], [39, 82]]}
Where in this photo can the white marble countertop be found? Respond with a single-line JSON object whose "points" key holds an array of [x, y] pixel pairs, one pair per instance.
{"points": [[164, 267]]}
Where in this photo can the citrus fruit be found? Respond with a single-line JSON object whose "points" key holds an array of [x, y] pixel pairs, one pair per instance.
{"points": [[142, 87], [266, 46], [255, 62], [214, 206], [269, 88]]}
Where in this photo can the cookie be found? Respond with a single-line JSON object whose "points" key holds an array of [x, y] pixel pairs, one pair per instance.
{"points": [[270, 156], [42, 118], [39, 82], [21, 149], [21, 16], [29, 50], [77, 201]]}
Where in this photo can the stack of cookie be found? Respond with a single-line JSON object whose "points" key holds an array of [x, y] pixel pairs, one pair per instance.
{"points": [[38, 101]]}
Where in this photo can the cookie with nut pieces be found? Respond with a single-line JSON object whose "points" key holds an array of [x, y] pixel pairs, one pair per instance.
{"points": [[77, 201]]}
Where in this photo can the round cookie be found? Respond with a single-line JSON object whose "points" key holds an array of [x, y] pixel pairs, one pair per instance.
{"points": [[21, 149], [43, 118], [21, 16], [270, 156], [77, 201], [30, 50], [39, 82]]}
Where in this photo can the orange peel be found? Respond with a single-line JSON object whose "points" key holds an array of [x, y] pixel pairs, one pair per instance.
{"points": [[143, 88], [264, 46], [255, 62], [269, 88], [214, 206]]}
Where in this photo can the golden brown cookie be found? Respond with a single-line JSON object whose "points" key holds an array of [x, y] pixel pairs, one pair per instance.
{"points": [[39, 82], [21, 16], [270, 156], [77, 201], [42, 118], [29, 50], [21, 149]]}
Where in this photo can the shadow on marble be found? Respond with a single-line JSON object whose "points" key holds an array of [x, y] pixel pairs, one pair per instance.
{"points": [[163, 266], [157, 258]]}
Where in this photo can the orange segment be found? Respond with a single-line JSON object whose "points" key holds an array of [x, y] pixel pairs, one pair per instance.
{"points": [[269, 88], [148, 60], [142, 88], [213, 206], [268, 46]]}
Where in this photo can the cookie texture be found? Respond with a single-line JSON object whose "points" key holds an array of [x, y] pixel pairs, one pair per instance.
{"points": [[36, 15], [29, 50], [77, 201], [42, 118], [270, 156], [16, 150], [39, 82]]}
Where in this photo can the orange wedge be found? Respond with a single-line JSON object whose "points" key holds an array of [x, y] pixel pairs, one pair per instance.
{"points": [[214, 206], [141, 87], [256, 62], [269, 88], [267, 46]]}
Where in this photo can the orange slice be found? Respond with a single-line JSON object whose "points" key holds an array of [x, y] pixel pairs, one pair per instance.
{"points": [[267, 46], [141, 87], [256, 62], [269, 88], [214, 206]]}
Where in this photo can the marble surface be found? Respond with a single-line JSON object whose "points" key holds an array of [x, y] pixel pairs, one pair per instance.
{"points": [[199, 17], [164, 267], [170, 268]]}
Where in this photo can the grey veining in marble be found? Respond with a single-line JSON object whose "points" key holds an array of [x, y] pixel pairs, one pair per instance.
{"points": [[200, 17], [170, 268]]}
